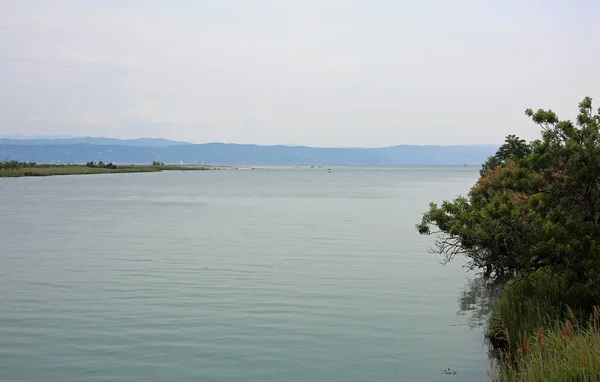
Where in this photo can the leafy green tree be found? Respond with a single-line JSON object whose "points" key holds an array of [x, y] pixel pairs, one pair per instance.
{"points": [[535, 207], [514, 148]]}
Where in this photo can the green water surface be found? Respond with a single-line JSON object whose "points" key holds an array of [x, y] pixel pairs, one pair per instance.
{"points": [[251, 275]]}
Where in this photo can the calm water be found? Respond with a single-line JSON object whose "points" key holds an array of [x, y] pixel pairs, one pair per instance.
{"points": [[265, 275]]}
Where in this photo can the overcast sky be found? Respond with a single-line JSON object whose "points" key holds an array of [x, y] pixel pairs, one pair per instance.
{"points": [[319, 73]]}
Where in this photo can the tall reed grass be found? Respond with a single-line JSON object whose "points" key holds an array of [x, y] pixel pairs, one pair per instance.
{"points": [[564, 351], [525, 305]]}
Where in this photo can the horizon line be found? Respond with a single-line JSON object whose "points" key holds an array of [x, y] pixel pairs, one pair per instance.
{"points": [[55, 138]]}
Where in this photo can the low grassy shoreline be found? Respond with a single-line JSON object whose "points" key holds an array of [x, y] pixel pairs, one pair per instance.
{"points": [[75, 169]]}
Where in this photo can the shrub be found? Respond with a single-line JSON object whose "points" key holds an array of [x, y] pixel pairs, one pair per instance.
{"points": [[536, 206]]}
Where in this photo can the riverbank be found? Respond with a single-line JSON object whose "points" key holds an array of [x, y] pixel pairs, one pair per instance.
{"points": [[68, 169]]}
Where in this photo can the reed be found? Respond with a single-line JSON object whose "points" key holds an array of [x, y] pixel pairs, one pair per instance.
{"points": [[564, 351]]}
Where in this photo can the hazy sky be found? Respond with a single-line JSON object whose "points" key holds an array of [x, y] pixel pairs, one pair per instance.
{"points": [[320, 73]]}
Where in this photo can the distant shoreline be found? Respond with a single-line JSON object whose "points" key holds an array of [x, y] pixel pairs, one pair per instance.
{"points": [[41, 170], [38, 170]]}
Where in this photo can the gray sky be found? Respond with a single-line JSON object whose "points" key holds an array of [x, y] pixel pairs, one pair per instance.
{"points": [[319, 73]]}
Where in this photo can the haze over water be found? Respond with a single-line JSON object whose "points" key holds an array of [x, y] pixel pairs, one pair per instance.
{"points": [[266, 275]]}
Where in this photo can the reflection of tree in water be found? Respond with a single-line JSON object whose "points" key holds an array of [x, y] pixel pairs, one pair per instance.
{"points": [[476, 300]]}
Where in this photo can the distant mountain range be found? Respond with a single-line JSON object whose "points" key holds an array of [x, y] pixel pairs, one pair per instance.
{"points": [[146, 150]]}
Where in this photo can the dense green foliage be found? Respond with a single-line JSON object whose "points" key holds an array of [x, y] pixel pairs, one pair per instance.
{"points": [[538, 208], [514, 148], [157, 163]]}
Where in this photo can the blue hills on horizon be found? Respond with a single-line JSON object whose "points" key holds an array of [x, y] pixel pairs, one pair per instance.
{"points": [[146, 150]]}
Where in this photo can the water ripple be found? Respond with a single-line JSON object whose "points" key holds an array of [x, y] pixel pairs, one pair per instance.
{"points": [[273, 275]]}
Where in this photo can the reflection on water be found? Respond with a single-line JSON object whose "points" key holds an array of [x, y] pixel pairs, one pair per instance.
{"points": [[477, 299], [475, 303]]}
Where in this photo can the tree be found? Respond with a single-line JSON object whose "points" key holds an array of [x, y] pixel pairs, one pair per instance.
{"points": [[514, 148], [536, 206], [11, 165]]}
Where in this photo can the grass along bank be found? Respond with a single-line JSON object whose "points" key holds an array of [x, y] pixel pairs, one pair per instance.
{"points": [[11, 169], [564, 351]]}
